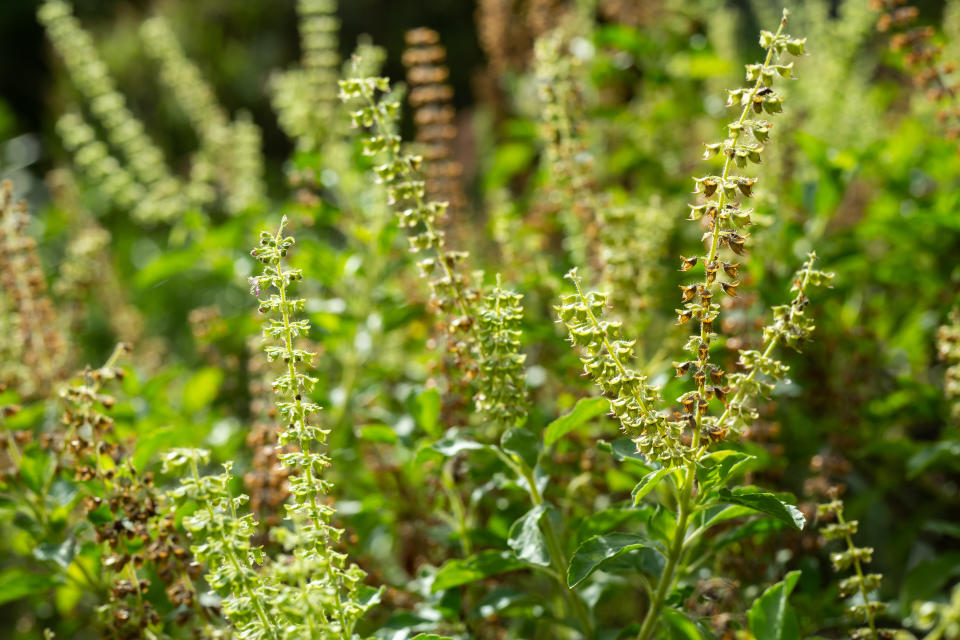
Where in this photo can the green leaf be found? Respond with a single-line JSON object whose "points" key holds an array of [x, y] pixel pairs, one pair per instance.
{"points": [[771, 617], [477, 567], [62, 554], [946, 451], [765, 503], [746, 530], [378, 433], [425, 408], [201, 389], [716, 468], [430, 636], [502, 601], [927, 578], [680, 626], [648, 484], [16, 583], [150, 443], [522, 443], [723, 512], [368, 596], [585, 410], [36, 469], [167, 265], [601, 551], [527, 540]]}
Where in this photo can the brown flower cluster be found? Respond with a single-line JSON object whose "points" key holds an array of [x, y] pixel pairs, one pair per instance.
{"points": [[630, 12], [503, 37], [922, 55], [434, 115], [36, 341], [266, 481], [948, 349], [129, 522]]}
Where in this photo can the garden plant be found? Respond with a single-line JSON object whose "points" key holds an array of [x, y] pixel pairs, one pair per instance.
{"points": [[640, 320]]}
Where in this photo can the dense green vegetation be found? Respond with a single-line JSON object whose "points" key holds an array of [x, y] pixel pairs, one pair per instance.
{"points": [[648, 330]]}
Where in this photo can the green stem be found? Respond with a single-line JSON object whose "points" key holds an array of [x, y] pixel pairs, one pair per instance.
{"points": [[859, 570], [459, 509], [673, 558], [557, 557]]}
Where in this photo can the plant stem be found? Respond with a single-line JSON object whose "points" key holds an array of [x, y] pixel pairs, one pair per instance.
{"points": [[856, 566], [558, 558], [673, 559], [459, 510]]}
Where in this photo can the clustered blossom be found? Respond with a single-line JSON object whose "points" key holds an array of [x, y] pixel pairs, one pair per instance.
{"points": [[305, 97], [121, 512], [630, 259], [229, 162], [34, 355], [311, 591], [125, 510], [721, 211], [406, 191], [570, 189], [434, 116], [862, 584], [922, 55], [145, 182], [503, 393], [790, 327], [221, 538], [632, 400], [948, 348], [665, 437], [127, 164], [330, 594]]}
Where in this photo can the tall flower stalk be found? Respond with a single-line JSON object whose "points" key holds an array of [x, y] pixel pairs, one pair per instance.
{"points": [[406, 191], [853, 557], [680, 439], [326, 584]]}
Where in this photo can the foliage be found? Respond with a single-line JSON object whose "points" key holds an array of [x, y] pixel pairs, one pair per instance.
{"points": [[463, 481]]}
